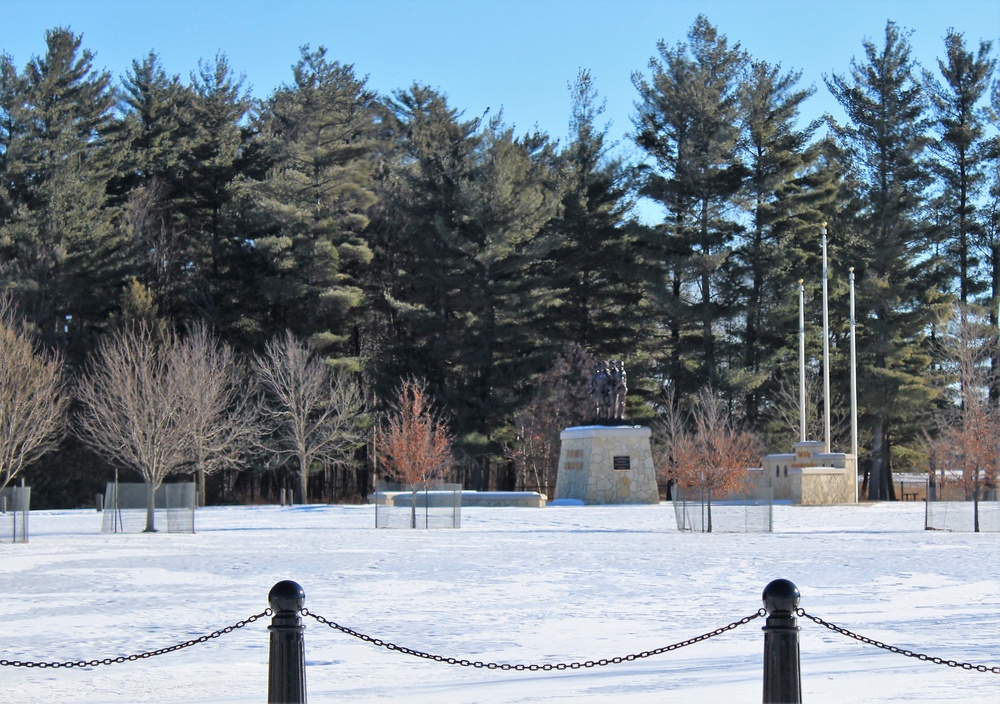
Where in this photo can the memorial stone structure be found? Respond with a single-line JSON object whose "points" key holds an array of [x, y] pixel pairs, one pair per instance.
{"points": [[809, 476], [607, 461]]}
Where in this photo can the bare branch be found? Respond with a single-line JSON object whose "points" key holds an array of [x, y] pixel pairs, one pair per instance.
{"points": [[561, 399], [712, 452], [134, 406], [965, 448], [414, 444], [33, 398], [311, 412], [222, 411]]}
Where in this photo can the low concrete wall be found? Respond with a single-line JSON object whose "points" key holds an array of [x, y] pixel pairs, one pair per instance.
{"points": [[527, 499]]}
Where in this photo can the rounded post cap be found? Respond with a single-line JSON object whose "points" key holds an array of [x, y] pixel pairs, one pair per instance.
{"points": [[781, 597], [286, 595]]}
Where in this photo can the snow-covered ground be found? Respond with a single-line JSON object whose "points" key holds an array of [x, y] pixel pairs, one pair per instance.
{"points": [[559, 584]]}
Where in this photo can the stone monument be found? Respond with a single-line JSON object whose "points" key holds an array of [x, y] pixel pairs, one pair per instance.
{"points": [[608, 461], [809, 476]]}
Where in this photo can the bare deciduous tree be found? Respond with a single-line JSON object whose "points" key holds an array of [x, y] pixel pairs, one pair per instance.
{"points": [[33, 397], [712, 453], [133, 407], [668, 429], [561, 399], [967, 433], [311, 412], [414, 444], [785, 412], [222, 411]]}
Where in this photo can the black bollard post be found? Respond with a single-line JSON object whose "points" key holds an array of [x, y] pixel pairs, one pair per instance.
{"points": [[286, 677], [782, 677]]}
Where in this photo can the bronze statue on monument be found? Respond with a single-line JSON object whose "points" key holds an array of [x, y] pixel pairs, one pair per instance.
{"points": [[608, 388]]}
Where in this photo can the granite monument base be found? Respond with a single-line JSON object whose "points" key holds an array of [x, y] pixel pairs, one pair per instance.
{"points": [[606, 465]]}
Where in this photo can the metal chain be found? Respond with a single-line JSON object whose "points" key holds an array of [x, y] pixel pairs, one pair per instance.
{"points": [[519, 667], [532, 668], [138, 656], [894, 649]]}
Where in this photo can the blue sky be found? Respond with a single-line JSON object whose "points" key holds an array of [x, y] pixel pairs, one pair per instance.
{"points": [[518, 55]]}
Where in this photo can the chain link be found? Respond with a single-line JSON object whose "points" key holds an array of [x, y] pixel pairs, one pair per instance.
{"points": [[518, 667], [894, 649], [138, 656]]}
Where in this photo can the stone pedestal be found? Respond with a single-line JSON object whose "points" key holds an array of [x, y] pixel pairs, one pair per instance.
{"points": [[607, 465], [811, 477]]}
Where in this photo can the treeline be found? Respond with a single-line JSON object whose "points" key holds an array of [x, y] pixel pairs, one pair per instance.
{"points": [[407, 240]]}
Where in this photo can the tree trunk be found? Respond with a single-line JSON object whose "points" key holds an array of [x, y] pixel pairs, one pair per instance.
{"points": [[675, 330], [875, 479], [708, 341], [201, 484], [888, 487], [995, 321], [150, 507], [303, 481], [975, 501]]}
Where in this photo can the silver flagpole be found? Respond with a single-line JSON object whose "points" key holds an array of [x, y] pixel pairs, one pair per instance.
{"points": [[802, 363], [826, 353], [854, 390]]}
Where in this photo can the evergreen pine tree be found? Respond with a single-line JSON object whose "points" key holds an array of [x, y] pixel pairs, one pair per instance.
{"points": [[429, 155], [509, 207], [896, 282], [311, 210], [471, 205], [154, 125], [593, 267], [783, 195], [992, 226], [960, 151], [156, 133], [688, 123], [59, 248], [221, 167]]}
